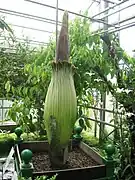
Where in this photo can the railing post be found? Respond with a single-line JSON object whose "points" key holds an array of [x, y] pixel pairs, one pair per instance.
{"points": [[26, 166], [77, 136], [110, 162], [18, 132]]}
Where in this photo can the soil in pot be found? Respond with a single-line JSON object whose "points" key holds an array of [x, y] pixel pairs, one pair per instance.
{"points": [[77, 159]]}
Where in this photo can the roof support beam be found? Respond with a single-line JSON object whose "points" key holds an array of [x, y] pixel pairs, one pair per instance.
{"points": [[77, 14]]}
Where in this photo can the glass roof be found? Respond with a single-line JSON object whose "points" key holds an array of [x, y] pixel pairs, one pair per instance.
{"points": [[37, 22]]}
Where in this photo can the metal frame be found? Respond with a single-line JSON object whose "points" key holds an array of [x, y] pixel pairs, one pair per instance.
{"points": [[121, 9], [109, 8], [28, 16], [30, 28], [117, 25], [27, 41], [71, 12]]}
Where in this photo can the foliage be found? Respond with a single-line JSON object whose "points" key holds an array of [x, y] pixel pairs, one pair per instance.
{"points": [[29, 93], [32, 91], [123, 91], [90, 140], [5, 28], [12, 65], [44, 178], [107, 62], [6, 136], [123, 156], [41, 178]]}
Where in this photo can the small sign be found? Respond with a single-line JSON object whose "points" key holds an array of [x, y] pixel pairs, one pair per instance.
{"points": [[14, 177], [8, 160]]}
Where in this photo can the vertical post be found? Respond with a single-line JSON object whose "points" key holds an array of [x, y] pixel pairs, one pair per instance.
{"points": [[77, 136], [119, 15], [95, 129], [97, 93], [110, 162], [26, 166], [103, 96], [117, 131], [2, 111], [96, 114], [18, 132], [26, 155]]}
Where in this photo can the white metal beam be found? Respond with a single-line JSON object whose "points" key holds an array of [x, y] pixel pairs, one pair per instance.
{"points": [[118, 10], [109, 8]]}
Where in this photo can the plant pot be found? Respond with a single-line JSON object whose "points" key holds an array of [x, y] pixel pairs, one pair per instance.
{"points": [[92, 166]]}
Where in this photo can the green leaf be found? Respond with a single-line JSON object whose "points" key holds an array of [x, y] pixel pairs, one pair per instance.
{"points": [[80, 111], [25, 91], [20, 90], [32, 91], [4, 25], [81, 122], [26, 111], [7, 86], [27, 68], [13, 116], [34, 70], [34, 81], [13, 90], [87, 122]]}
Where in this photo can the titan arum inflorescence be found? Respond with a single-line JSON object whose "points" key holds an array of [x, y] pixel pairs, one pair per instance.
{"points": [[60, 104]]}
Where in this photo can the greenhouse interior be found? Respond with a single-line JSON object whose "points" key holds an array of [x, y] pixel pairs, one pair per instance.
{"points": [[85, 50]]}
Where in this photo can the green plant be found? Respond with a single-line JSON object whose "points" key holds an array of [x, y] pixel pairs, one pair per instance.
{"points": [[90, 140], [30, 90], [26, 85], [123, 91], [40, 178], [123, 155], [6, 136], [45, 177], [6, 28], [28, 93]]}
